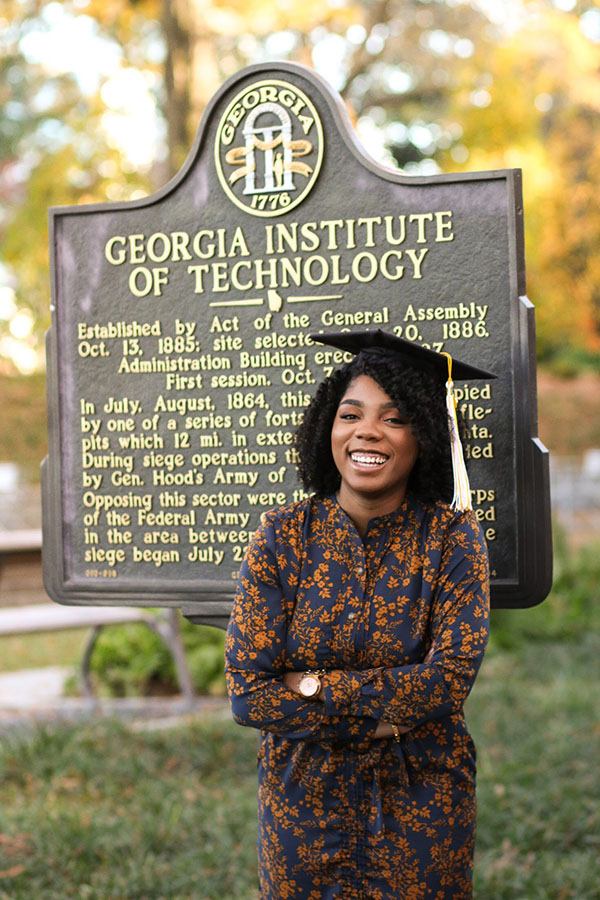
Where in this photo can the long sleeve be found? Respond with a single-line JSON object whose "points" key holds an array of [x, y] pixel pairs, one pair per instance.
{"points": [[256, 651], [412, 694]]}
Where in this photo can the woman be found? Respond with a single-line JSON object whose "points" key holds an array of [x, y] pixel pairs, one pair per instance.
{"points": [[358, 627]]}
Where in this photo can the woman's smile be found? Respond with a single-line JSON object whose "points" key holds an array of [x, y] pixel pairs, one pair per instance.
{"points": [[362, 458]]}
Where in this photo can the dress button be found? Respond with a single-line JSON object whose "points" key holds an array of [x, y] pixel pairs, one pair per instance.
{"points": [[360, 570], [352, 615]]}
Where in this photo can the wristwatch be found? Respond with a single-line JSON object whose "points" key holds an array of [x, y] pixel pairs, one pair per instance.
{"points": [[310, 685]]}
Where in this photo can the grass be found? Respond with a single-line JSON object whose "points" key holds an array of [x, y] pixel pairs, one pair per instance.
{"points": [[535, 717], [103, 812], [35, 651]]}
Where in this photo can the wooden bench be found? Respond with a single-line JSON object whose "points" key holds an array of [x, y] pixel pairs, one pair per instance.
{"points": [[39, 617]]}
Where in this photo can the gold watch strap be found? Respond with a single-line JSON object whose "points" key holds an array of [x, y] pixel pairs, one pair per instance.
{"points": [[396, 731]]}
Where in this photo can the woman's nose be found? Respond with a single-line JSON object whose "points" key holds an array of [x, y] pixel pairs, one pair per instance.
{"points": [[368, 429]]}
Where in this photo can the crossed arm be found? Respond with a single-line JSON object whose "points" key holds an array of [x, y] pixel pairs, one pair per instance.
{"points": [[355, 705], [383, 730]]}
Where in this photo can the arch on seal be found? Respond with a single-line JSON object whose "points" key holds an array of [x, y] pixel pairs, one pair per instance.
{"points": [[274, 142]]}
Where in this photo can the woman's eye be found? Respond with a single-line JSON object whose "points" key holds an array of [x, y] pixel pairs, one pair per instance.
{"points": [[348, 415], [396, 420]]}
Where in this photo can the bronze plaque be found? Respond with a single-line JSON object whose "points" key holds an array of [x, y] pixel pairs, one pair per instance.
{"points": [[179, 361]]}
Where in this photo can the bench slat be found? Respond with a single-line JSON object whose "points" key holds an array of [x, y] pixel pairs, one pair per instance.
{"points": [[53, 617]]}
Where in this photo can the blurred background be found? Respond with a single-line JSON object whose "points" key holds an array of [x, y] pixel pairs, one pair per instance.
{"points": [[100, 101]]}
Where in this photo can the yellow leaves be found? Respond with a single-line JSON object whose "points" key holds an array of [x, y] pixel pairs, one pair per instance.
{"points": [[544, 84], [121, 13], [238, 17], [266, 16]]}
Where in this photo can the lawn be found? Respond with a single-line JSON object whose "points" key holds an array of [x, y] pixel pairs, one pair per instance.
{"points": [[535, 717], [35, 651], [105, 812], [102, 812]]}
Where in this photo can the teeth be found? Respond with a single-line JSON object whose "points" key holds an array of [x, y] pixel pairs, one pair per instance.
{"points": [[368, 460]]}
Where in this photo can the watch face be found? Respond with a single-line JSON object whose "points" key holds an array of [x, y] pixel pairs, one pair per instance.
{"points": [[309, 686]]}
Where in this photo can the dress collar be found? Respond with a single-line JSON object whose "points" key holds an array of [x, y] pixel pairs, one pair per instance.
{"points": [[377, 524]]}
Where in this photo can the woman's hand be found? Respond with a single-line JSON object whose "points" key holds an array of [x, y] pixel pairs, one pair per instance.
{"points": [[385, 730], [430, 654], [292, 680]]}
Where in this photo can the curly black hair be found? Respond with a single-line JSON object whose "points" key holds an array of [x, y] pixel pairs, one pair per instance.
{"points": [[419, 393]]}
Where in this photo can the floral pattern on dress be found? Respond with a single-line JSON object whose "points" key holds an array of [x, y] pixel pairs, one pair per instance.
{"points": [[341, 814]]}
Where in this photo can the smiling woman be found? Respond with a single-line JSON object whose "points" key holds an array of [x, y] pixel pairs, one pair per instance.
{"points": [[357, 631], [415, 391]]}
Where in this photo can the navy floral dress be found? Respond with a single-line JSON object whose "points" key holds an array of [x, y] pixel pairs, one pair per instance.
{"points": [[341, 814]]}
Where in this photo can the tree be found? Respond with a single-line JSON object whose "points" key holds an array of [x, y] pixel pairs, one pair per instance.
{"points": [[391, 60], [534, 103], [54, 149]]}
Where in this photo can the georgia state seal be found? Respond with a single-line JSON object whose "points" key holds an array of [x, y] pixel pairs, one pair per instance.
{"points": [[269, 148]]}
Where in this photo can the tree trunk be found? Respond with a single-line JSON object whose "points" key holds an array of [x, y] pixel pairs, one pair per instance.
{"points": [[191, 72]]}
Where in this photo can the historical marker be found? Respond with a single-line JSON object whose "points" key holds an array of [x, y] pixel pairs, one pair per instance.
{"points": [[179, 361]]}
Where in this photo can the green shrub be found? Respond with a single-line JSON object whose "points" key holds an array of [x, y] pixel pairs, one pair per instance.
{"points": [[567, 361], [205, 653], [131, 660], [571, 610]]}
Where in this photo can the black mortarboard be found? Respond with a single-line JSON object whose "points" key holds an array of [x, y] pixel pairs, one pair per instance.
{"points": [[388, 347], [408, 351]]}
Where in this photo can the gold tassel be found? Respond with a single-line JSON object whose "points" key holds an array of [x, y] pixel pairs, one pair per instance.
{"points": [[462, 490]]}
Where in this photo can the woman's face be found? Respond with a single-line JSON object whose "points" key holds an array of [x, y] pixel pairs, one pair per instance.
{"points": [[373, 445]]}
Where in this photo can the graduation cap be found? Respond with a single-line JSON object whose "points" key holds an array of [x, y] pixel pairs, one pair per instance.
{"points": [[392, 349], [399, 349]]}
